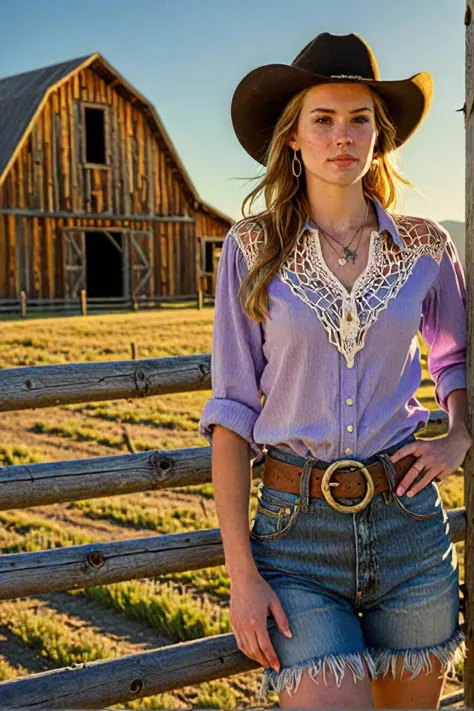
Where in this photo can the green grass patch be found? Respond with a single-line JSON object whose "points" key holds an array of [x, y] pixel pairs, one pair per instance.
{"points": [[19, 454], [177, 614], [135, 516]]}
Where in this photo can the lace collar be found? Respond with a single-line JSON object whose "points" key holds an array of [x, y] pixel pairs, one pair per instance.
{"points": [[347, 316]]}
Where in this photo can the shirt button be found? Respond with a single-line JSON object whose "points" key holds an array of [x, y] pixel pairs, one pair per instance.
{"points": [[350, 401], [348, 450], [349, 428]]}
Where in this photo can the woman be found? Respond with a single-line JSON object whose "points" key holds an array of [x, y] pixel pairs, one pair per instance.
{"points": [[319, 300]]}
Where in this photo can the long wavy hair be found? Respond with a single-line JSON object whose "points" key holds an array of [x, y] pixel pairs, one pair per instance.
{"points": [[286, 206]]}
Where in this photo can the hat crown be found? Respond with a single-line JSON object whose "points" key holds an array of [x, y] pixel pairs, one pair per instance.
{"points": [[341, 55]]}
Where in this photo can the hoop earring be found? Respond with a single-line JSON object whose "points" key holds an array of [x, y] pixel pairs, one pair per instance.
{"points": [[293, 162]]}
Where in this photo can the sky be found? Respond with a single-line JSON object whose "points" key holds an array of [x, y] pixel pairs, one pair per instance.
{"points": [[187, 57]]}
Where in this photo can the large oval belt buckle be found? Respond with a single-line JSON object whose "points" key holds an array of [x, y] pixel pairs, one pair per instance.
{"points": [[326, 485]]}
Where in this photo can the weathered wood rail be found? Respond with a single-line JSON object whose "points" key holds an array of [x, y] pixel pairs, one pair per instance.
{"points": [[97, 684], [52, 385]]}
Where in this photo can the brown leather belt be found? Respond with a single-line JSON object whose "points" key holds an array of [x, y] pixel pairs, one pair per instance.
{"points": [[345, 482]]}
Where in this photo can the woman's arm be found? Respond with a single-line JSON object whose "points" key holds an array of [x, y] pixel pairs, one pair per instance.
{"points": [[457, 411], [231, 477]]}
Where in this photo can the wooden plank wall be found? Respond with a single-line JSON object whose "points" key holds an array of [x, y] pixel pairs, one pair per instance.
{"points": [[49, 175], [209, 226]]}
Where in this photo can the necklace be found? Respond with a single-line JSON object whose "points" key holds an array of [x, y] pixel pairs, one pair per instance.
{"points": [[348, 253]]}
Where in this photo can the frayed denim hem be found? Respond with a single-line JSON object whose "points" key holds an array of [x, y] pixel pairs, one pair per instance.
{"points": [[289, 679], [418, 661]]}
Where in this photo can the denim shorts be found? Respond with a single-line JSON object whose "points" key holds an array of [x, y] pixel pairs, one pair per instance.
{"points": [[359, 589]]}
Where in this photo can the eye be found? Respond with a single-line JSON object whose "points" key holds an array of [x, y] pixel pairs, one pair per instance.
{"points": [[326, 118]]}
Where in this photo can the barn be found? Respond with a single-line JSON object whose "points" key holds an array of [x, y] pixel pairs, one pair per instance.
{"points": [[94, 199]]}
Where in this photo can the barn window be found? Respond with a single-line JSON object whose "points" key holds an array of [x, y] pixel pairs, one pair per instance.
{"points": [[95, 135]]}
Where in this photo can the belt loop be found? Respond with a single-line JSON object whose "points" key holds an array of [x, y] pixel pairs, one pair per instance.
{"points": [[310, 461], [390, 473]]}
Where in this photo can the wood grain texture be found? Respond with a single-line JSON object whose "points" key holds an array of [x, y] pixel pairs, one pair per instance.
{"points": [[50, 385], [93, 564], [135, 676]]}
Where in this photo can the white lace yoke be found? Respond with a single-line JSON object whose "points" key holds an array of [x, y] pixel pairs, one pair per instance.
{"points": [[347, 316]]}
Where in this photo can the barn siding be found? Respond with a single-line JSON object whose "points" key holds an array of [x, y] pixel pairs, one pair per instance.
{"points": [[141, 178]]}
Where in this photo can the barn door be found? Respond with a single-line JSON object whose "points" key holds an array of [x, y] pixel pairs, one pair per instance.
{"points": [[74, 263], [140, 259]]}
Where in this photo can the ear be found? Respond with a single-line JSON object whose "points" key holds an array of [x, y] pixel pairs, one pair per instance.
{"points": [[293, 144]]}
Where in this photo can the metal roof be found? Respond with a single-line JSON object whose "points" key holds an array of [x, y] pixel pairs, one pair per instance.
{"points": [[22, 97]]}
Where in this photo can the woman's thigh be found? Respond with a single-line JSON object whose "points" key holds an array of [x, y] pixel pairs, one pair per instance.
{"points": [[404, 691]]}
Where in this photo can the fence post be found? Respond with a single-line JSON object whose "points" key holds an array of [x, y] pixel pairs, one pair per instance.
{"points": [[23, 303], [83, 302], [469, 461]]}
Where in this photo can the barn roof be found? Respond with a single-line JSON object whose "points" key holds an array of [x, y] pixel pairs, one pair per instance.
{"points": [[23, 96]]}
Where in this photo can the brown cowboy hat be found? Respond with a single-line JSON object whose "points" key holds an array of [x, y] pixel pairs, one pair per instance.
{"points": [[264, 92]]}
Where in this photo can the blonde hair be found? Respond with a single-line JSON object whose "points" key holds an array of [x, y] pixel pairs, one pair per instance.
{"points": [[287, 209]]}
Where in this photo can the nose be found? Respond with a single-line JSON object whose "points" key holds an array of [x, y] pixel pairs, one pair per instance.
{"points": [[343, 139], [343, 135]]}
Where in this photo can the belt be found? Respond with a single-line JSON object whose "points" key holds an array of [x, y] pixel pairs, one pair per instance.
{"points": [[346, 478]]}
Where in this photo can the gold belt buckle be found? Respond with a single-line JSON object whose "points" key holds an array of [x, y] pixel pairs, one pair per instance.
{"points": [[326, 485]]}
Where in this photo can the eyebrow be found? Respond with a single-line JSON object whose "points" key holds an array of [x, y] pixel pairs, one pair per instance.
{"points": [[331, 111]]}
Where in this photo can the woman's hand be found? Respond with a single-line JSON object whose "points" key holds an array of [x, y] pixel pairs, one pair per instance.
{"points": [[438, 457], [251, 600]]}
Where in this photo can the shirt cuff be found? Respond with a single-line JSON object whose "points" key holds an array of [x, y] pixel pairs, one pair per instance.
{"points": [[234, 416], [452, 380]]}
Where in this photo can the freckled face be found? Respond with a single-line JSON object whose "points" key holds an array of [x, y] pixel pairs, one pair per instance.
{"points": [[330, 123]]}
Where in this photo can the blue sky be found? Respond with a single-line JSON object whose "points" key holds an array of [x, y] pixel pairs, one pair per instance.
{"points": [[187, 57]]}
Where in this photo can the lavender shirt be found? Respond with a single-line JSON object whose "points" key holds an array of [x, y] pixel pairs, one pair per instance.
{"points": [[337, 370]]}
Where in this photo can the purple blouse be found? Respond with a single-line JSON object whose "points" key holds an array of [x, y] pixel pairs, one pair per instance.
{"points": [[337, 369]]}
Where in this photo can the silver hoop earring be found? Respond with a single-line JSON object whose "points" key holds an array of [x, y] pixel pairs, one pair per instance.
{"points": [[295, 161]]}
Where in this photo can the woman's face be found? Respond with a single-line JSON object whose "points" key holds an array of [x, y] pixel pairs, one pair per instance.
{"points": [[336, 119]]}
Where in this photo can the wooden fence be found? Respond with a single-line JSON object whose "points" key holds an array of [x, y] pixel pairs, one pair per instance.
{"points": [[84, 304], [99, 684]]}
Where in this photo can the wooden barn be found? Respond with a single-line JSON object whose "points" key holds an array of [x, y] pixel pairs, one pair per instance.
{"points": [[93, 195]]}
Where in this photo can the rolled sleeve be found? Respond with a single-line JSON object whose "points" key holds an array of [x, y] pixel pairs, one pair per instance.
{"points": [[444, 325], [237, 359]]}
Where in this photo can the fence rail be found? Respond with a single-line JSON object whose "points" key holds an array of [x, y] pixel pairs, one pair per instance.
{"points": [[52, 385], [97, 684], [71, 480]]}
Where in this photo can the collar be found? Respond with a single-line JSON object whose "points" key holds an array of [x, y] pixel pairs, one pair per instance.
{"points": [[385, 220]]}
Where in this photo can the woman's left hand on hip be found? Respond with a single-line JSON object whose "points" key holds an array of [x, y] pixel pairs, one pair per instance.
{"points": [[437, 457]]}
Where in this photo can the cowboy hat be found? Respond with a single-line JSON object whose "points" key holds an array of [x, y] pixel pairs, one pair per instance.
{"points": [[263, 93]]}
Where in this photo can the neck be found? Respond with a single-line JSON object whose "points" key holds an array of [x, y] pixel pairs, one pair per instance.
{"points": [[339, 209]]}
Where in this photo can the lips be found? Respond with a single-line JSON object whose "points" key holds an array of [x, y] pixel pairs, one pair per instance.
{"points": [[344, 159]]}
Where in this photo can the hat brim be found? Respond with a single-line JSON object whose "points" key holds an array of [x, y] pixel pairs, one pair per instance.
{"points": [[263, 93]]}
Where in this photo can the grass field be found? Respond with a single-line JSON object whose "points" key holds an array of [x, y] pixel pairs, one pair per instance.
{"points": [[58, 629]]}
